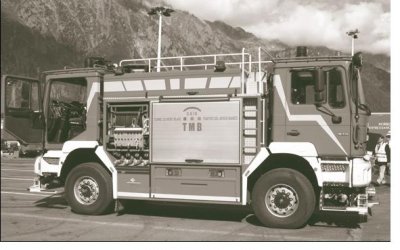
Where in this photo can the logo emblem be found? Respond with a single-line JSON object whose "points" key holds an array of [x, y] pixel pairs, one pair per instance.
{"points": [[133, 181], [192, 119]]}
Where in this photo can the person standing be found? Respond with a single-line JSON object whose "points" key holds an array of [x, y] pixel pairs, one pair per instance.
{"points": [[387, 151], [381, 159]]}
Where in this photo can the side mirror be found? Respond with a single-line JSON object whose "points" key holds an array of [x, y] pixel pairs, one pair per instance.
{"points": [[319, 98], [336, 119], [319, 84], [319, 88], [357, 60]]}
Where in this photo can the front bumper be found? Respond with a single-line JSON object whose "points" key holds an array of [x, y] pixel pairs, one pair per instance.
{"points": [[348, 200], [47, 176]]}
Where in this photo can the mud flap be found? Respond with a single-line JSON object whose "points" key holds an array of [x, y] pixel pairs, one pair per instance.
{"points": [[363, 218], [372, 199], [119, 207]]}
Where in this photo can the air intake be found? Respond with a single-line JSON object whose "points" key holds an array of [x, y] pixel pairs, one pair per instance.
{"points": [[301, 51]]}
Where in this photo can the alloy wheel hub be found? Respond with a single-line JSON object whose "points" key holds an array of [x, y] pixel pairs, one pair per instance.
{"points": [[86, 190], [281, 200]]}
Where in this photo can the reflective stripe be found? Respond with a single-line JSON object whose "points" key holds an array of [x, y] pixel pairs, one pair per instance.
{"points": [[380, 152], [132, 194], [260, 157], [196, 197], [93, 90]]}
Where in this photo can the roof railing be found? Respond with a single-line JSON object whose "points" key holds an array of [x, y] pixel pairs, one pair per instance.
{"points": [[242, 60]]}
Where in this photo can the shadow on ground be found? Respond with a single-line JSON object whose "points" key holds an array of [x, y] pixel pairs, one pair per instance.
{"points": [[332, 219], [187, 211], [205, 212], [54, 201]]}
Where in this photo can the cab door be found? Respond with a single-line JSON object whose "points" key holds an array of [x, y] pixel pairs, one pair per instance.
{"points": [[21, 111], [71, 107], [326, 123]]}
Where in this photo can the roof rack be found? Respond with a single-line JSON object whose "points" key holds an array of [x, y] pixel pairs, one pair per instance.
{"points": [[241, 60]]}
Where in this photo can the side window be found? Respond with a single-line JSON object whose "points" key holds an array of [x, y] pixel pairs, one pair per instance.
{"points": [[336, 97], [35, 98], [17, 94], [302, 88], [22, 94], [67, 109]]}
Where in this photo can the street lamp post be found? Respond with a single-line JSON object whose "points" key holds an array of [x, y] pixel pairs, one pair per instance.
{"points": [[160, 11], [354, 35]]}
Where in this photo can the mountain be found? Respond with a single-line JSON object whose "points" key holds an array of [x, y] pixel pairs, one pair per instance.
{"points": [[50, 34], [26, 52]]}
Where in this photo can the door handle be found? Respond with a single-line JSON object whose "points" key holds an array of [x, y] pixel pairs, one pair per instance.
{"points": [[293, 133], [193, 160]]}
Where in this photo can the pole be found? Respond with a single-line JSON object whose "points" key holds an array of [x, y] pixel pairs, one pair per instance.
{"points": [[159, 42], [354, 36], [352, 46], [160, 11]]}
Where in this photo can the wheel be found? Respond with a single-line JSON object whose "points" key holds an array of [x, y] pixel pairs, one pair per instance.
{"points": [[88, 189], [283, 198]]}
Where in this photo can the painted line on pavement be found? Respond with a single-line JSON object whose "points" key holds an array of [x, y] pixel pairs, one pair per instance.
{"points": [[18, 164], [118, 224], [13, 189], [18, 170], [190, 230], [73, 220], [29, 194], [16, 179]]}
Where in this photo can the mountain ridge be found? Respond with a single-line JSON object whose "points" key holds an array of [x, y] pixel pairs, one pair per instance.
{"points": [[50, 34]]}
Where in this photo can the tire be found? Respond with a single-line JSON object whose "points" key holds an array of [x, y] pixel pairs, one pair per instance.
{"points": [[88, 189], [283, 198]]}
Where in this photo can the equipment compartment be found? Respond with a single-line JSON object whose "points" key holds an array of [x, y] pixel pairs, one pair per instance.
{"points": [[127, 134], [133, 180], [192, 131], [196, 182]]}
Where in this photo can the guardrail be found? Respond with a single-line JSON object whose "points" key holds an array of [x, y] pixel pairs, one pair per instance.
{"points": [[242, 60], [195, 61]]}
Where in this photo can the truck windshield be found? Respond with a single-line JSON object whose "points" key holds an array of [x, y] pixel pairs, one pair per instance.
{"points": [[67, 109]]}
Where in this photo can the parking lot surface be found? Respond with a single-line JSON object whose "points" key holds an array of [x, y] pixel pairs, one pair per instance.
{"points": [[29, 216]]}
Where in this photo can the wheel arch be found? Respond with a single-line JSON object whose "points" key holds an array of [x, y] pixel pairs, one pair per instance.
{"points": [[79, 156], [284, 160]]}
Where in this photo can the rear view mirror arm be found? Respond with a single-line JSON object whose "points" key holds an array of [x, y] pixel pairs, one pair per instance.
{"points": [[325, 110]]}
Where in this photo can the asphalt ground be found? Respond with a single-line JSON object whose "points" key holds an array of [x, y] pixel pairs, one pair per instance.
{"points": [[47, 217]]}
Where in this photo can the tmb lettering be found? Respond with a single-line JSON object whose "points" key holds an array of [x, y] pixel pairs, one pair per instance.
{"points": [[192, 126]]}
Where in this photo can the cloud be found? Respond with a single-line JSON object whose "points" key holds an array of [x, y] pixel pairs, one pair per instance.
{"points": [[306, 22]]}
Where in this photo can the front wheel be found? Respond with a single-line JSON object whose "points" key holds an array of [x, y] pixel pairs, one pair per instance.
{"points": [[283, 198], [88, 189]]}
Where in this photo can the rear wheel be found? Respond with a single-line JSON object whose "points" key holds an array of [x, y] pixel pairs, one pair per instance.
{"points": [[283, 198], [88, 189]]}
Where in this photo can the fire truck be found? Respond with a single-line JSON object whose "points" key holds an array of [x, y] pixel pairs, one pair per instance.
{"points": [[285, 135]]}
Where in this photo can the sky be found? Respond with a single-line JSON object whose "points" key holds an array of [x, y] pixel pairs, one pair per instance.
{"points": [[303, 22]]}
